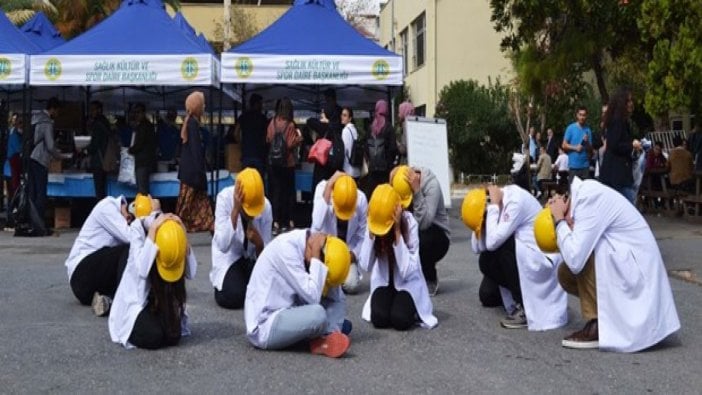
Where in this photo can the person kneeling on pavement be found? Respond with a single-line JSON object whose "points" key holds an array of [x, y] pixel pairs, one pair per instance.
{"points": [[420, 192], [399, 297], [496, 215], [243, 222], [340, 209], [295, 295], [625, 294], [99, 253], [149, 307]]}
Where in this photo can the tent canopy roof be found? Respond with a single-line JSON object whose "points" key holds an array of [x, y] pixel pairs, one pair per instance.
{"points": [[42, 32], [12, 40], [138, 27], [311, 27]]}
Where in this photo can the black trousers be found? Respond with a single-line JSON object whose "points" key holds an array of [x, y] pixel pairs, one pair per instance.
{"points": [[143, 175], [433, 245], [391, 308], [100, 272], [375, 178], [282, 183], [38, 181], [100, 183], [233, 290], [500, 266], [149, 332]]}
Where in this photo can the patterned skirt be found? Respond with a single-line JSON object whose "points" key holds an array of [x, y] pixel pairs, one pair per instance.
{"points": [[194, 209]]}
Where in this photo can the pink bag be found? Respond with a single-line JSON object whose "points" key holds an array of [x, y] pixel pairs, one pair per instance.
{"points": [[319, 152]]}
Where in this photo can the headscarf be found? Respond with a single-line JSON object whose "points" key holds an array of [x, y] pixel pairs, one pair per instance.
{"points": [[380, 117], [194, 104], [406, 109]]}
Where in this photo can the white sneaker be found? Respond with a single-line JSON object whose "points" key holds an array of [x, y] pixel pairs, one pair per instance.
{"points": [[353, 280], [101, 304]]}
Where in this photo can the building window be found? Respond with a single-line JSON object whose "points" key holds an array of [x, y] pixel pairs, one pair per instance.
{"points": [[418, 28], [404, 44]]}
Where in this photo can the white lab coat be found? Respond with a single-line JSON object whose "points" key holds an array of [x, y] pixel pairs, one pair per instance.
{"points": [[349, 136], [227, 243], [280, 281], [407, 276], [635, 305], [478, 246], [545, 301], [133, 291], [104, 227], [324, 220]]}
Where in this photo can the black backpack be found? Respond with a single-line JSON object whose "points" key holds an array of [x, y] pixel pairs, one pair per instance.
{"points": [[28, 145], [337, 152], [377, 160], [278, 152], [357, 152]]}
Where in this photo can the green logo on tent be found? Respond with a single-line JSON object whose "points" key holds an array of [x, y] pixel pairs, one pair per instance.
{"points": [[5, 68], [52, 69], [381, 69], [244, 67], [189, 69]]}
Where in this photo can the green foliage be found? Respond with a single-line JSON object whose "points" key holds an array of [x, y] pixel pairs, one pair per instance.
{"points": [[481, 136], [674, 74]]}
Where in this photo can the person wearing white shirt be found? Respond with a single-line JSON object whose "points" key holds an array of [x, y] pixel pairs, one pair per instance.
{"points": [[99, 253], [497, 216], [561, 166], [149, 307], [295, 295], [633, 303], [243, 226], [399, 296], [340, 209], [350, 137]]}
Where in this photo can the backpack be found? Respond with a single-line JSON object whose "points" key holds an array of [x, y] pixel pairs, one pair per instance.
{"points": [[28, 146], [357, 152], [376, 154], [337, 152], [110, 160], [278, 152]]}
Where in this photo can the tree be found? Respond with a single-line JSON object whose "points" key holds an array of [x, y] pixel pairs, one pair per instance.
{"points": [[481, 136], [243, 25], [674, 74], [356, 13]]}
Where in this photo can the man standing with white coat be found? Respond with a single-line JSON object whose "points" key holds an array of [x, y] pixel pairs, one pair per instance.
{"points": [[634, 303], [340, 209]]}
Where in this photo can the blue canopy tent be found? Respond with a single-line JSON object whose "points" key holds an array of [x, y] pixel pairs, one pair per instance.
{"points": [[14, 48], [312, 45], [42, 32], [136, 54]]}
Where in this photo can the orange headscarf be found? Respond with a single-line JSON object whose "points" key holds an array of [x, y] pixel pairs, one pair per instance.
{"points": [[194, 106]]}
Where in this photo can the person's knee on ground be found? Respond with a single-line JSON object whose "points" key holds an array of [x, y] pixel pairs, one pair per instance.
{"points": [[567, 279], [353, 281], [147, 332], [230, 299], [489, 293], [403, 314], [381, 302]]}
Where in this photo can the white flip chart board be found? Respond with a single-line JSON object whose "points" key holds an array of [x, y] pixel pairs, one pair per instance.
{"points": [[427, 146]]}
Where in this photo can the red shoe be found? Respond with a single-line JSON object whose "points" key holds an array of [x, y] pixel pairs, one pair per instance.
{"points": [[334, 345]]}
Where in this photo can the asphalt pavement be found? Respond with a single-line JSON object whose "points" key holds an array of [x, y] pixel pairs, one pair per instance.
{"points": [[50, 343]]}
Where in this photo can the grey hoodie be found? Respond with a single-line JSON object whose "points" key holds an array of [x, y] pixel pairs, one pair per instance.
{"points": [[44, 148], [428, 203]]}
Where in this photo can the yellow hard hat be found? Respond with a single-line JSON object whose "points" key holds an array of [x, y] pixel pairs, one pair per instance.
{"points": [[473, 210], [401, 186], [172, 243], [381, 209], [337, 258], [545, 231], [344, 197], [142, 206], [254, 195]]}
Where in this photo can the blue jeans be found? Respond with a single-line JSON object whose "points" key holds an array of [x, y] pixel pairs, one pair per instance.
{"points": [[629, 193], [296, 324], [38, 180]]}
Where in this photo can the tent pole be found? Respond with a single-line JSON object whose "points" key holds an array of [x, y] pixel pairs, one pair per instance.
{"points": [[214, 195], [219, 137]]}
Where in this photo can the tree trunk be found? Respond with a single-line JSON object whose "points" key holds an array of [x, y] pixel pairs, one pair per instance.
{"points": [[227, 18], [599, 76]]}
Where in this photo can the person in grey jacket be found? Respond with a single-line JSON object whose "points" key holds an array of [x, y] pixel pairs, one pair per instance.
{"points": [[44, 149], [427, 205]]}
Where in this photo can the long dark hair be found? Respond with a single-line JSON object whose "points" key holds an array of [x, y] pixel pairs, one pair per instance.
{"points": [[617, 108], [285, 109], [167, 301], [383, 244]]}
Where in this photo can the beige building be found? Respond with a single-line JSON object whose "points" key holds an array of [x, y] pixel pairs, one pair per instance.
{"points": [[442, 41], [207, 16]]}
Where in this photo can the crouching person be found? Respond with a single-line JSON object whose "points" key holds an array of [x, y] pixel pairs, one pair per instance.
{"points": [[399, 295], [99, 254], [295, 295], [149, 307], [340, 209], [243, 221], [626, 288]]}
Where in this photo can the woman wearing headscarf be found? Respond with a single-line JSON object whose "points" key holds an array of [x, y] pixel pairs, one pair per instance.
{"points": [[381, 148], [193, 205], [405, 110]]}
